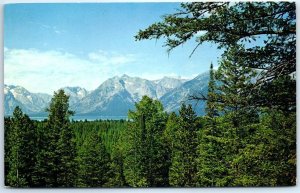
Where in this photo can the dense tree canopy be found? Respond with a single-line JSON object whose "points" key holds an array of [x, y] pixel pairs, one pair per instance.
{"points": [[93, 162], [155, 149]]}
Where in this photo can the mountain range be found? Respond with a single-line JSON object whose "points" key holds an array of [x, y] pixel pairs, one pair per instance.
{"points": [[114, 97]]}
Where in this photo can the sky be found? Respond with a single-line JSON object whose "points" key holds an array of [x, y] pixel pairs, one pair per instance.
{"points": [[50, 46]]}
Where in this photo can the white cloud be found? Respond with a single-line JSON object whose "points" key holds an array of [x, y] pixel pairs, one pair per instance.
{"points": [[108, 58], [47, 71]]}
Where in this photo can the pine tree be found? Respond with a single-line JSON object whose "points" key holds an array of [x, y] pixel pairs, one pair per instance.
{"points": [[117, 168], [67, 166], [168, 139], [210, 168], [40, 170], [7, 146], [117, 164], [212, 165], [269, 154], [144, 163], [237, 83], [211, 103], [133, 165], [56, 164], [21, 150], [221, 139], [93, 162], [183, 169]]}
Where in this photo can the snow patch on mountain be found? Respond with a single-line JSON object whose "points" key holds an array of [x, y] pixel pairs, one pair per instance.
{"points": [[29, 102], [114, 97]]}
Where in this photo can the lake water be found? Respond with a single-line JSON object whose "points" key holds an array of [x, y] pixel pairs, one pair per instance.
{"points": [[84, 117]]}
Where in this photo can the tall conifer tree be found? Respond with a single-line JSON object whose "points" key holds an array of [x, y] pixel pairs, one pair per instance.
{"points": [[57, 157], [211, 103], [183, 168], [145, 164], [21, 151]]}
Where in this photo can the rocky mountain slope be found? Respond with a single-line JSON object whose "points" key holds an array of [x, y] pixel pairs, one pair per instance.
{"points": [[114, 97]]}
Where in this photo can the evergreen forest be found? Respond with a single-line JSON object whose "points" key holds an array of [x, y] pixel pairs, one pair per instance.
{"points": [[246, 138]]}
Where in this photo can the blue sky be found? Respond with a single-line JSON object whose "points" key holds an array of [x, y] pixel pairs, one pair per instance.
{"points": [[49, 46]]}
